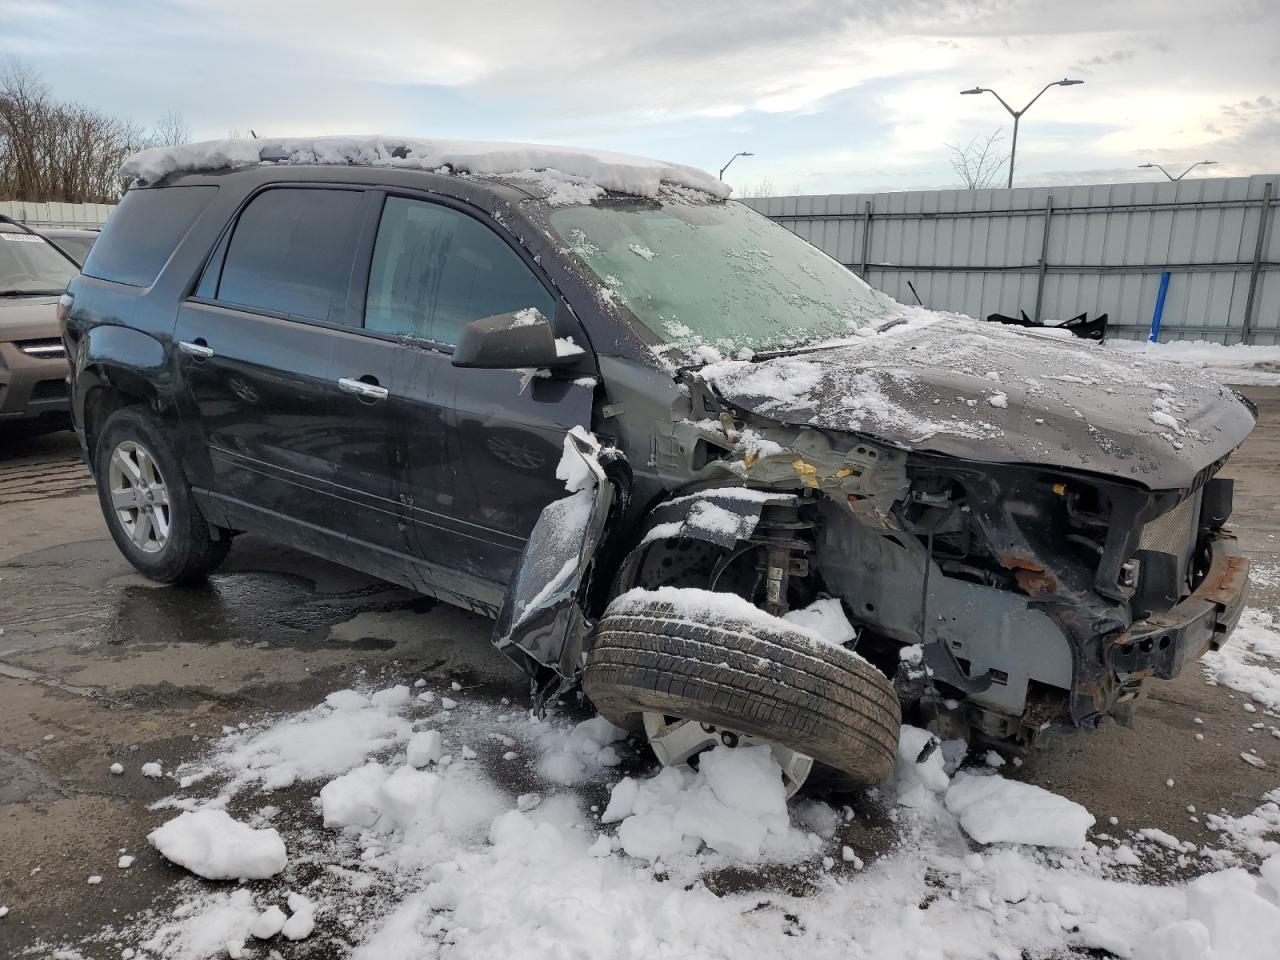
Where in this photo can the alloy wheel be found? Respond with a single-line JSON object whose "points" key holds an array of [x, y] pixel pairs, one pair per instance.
{"points": [[139, 496]]}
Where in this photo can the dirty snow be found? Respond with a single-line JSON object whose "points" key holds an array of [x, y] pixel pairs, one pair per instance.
{"points": [[573, 172], [581, 847], [1246, 662], [1237, 363]]}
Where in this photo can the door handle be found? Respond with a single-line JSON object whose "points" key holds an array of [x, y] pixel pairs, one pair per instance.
{"points": [[369, 391], [196, 349]]}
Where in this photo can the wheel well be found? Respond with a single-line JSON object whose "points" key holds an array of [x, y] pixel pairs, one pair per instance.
{"points": [[99, 404]]}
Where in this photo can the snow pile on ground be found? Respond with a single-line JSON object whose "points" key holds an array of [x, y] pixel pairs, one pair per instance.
{"points": [[1242, 662], [478, 832], [1237, 363], [329, 739], [619, 172], [212, 845]]}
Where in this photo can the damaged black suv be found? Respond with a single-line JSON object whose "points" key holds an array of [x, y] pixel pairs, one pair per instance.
{"points": [[685, 459]]}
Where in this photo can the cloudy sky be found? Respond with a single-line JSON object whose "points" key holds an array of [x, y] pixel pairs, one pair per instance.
{"points": [[831, 95]]}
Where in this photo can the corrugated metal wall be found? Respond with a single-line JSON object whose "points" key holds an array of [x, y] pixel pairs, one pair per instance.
{"points": [[74, 215], [986, 251]]}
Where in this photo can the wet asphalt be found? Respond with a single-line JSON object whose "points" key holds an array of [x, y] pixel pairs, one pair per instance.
{"points": [[99, 665]]}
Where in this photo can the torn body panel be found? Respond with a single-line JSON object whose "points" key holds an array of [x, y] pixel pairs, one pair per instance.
{"points": [[543, 620]]}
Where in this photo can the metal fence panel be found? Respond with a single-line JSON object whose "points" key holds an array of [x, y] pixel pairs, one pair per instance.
{"points": [[978, 251], [85, 216]]}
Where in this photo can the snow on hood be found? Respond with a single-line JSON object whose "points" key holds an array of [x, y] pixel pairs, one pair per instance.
{"points": [[580, 168], [949, 384]]}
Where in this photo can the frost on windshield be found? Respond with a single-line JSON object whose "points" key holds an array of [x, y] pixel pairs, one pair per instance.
{"points": [[715, 280]]}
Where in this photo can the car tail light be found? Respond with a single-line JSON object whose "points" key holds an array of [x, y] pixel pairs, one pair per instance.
{"points": [[64, 306]]}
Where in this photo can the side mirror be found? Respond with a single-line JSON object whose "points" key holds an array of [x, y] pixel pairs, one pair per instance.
{"points": [[507, 341]]}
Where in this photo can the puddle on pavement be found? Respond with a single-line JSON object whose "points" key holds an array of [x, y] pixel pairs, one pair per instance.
{"points": [[251, 607]]}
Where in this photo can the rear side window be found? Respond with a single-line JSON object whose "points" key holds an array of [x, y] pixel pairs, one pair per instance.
{"points": [[143, 231], [291, 252], [435, 270]]}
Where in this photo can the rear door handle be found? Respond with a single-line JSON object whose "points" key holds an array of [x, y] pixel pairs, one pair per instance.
{"points": [[370, 391], [196, 349]]}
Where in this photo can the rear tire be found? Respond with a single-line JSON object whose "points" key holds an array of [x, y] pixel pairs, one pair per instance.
{"points": [[147, 501], [768, 681]]}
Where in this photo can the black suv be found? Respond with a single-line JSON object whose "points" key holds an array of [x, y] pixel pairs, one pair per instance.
{"points": [[680, 455]]}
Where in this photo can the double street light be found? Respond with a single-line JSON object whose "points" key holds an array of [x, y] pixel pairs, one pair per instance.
{"points": [[1017, 114], [733, 158], [1198, 163]]}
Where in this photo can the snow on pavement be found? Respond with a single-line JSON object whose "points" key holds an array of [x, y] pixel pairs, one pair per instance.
{"points": [[416, 832]]}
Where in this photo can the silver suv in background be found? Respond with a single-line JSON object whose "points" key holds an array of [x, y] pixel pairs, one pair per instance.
{"points": [[33, 361]]}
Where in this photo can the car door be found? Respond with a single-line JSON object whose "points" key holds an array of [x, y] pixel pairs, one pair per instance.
{"points": [[279, 392], [481, 446]]}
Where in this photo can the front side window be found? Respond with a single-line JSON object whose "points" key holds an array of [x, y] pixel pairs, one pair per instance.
{"points": [[435, 270], [291, 252]]}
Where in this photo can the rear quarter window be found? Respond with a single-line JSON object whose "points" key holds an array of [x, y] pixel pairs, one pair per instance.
{"points": [[143, 231]]}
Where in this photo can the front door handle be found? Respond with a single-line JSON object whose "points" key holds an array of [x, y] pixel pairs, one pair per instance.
{"points": [[196, 349], [369, 391]]}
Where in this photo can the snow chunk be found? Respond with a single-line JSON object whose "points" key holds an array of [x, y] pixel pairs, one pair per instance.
{"points": [[735, 804], [572, 468], [212, 845], [606, 170], [920, 772], [268, 924], [826, 618], [641, 251], [153, 770], [992, 809], [426, 747]]}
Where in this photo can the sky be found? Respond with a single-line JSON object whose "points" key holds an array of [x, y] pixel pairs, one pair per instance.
{"points": [[830, 96]]}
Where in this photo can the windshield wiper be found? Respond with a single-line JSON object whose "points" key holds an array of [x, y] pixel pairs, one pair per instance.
{"points": [[29, 293]]}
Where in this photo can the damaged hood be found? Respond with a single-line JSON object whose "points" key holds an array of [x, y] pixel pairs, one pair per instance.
{"points": [[951, 385]]}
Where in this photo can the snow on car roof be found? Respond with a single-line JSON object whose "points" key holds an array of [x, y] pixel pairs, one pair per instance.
{"points": [[588, 172]]}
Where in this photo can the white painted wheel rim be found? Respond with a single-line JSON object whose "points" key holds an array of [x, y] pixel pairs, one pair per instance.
{"points": [[139, 496], [676, 742]]}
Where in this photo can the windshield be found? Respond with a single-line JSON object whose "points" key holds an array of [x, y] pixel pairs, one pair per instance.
{"points": [[717, 274], [29, 265]]}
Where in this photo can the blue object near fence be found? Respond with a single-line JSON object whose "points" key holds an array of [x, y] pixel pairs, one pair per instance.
{"points": [[1155, 317]]}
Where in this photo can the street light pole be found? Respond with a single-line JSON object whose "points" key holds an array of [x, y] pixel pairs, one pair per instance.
{"points": [[1017, 114], [1198, 163], [733, 158]]}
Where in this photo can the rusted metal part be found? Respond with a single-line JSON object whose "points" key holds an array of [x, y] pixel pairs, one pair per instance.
{"points": [[1034, 579], [1223, 587]]}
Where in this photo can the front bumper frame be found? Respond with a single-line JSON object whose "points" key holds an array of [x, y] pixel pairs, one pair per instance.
{"points": [[1161, 645]]}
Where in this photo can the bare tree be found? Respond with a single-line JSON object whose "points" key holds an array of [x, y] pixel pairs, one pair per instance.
{"points": [[171, 131], [51, 150], [764, 188], [979, 163]]}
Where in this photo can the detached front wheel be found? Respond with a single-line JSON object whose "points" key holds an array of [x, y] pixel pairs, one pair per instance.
{"points": [[695, 678]]}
